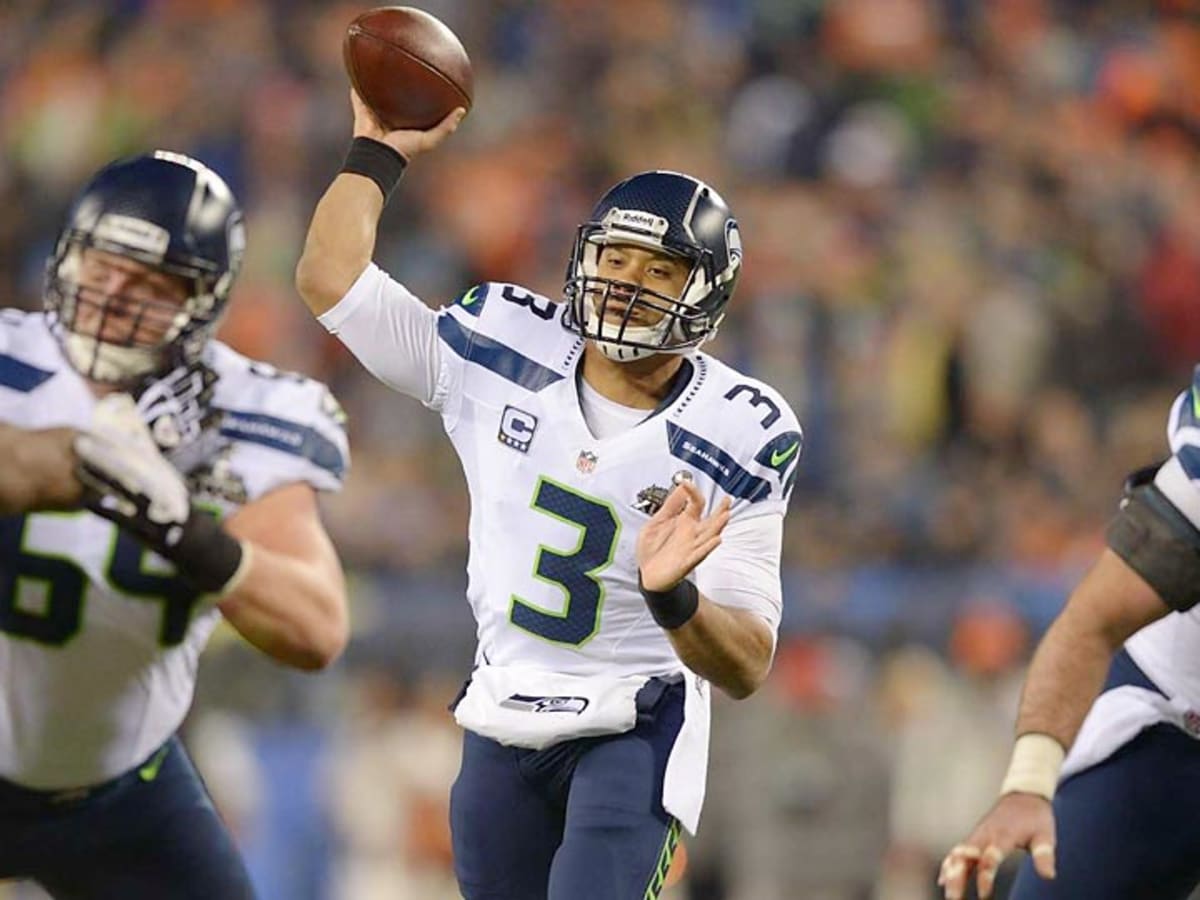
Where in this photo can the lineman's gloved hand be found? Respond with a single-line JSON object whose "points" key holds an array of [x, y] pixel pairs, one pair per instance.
{"points": [[127, 480]]}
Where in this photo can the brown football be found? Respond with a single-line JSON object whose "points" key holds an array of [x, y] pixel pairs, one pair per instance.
{"points": [[407, 66]]}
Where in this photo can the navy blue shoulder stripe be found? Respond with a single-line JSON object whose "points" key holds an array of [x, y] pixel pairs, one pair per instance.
{"points": [[494, 356], [21, 376], [1189, 458], [289, 437], [716, 464]]}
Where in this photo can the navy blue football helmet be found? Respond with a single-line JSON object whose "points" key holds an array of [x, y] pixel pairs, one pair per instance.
{"points": [[669, 213], [171, 214]]}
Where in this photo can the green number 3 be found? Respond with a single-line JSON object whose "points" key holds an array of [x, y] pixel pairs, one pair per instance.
{"points": [[62, 582], [573, 571]]}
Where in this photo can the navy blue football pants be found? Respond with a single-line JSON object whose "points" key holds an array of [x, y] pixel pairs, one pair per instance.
{"points": [[581, 820], [1129, 827], [148, 835]]}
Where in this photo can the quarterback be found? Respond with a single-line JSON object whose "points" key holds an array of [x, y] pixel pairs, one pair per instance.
{"points": [[627, 502], [154, 482], [1106, 765]]}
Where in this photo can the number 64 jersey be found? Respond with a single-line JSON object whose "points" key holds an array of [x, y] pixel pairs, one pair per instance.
{"points": [[555, 511], [99, 637]]}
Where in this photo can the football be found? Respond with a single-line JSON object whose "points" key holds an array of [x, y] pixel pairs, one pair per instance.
{"points": [[407, 66]]}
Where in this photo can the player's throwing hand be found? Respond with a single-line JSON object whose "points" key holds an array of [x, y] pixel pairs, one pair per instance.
{"points": [[1017, 821], [408, 143], [677, 539]]}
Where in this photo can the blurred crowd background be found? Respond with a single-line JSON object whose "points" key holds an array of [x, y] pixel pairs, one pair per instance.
{"points": [[972, 236]]}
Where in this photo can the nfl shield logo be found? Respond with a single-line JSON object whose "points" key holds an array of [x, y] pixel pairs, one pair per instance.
{"points": [[586, 463]]}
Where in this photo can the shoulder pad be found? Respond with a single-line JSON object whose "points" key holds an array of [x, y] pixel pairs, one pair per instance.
{"points": [[27, 355], [742, 433], [510, 331], [283, 411]]}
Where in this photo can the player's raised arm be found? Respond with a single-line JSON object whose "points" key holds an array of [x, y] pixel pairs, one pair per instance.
{"points": [[341, 236], [39, 470], [1150, 569]]}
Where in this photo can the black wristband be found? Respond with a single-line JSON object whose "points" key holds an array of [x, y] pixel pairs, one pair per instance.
{"points": [[376, 160], [206, 554], [672, 608]]}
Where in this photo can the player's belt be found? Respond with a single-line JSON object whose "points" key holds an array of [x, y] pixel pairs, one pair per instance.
{"points": [[16, 798]]}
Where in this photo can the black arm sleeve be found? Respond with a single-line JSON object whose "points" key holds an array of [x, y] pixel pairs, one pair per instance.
{"points": [[1158, 542]]}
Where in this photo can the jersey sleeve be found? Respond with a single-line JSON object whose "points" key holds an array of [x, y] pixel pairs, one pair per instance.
{"points": [[492, 333], [747, 441], [24, 341], [283, 428], [1179, 476], [743, 572], [394, 335]]}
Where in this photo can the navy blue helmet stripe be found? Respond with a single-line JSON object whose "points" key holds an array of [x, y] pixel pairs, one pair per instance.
{"points": [[21, 376], [289, 437], [716, 464], [494, 356]]}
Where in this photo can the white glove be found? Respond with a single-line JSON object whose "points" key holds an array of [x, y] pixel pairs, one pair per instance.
{"points": [[122, 463], [127, 480]]}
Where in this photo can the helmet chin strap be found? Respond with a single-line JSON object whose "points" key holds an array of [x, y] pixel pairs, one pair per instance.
{"points": [[108, 363], [606, 333]]}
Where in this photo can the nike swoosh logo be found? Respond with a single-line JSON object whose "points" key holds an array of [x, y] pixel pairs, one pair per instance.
{"points": [[778, 458], [471, 296], [149, 771]]}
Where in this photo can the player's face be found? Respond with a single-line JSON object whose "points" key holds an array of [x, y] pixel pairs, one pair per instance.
{"points": [[638, 267], [122, 301]]}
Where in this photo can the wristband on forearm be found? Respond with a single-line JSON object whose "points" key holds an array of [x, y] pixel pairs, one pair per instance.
{"points": [[207, 555], [1036, 762], [378, 161], [673, 607]]}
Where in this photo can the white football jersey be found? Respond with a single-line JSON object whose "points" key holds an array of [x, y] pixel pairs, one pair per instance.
{"points": [[99, 637], [1169, 650], [555, 511]]}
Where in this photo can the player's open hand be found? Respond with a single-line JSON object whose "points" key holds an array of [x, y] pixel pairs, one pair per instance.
{"points": [[1016, 821], [408, 143], [677, 538]]}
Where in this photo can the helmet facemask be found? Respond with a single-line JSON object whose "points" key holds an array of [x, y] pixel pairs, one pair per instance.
{"points": [[118, 338], [628, 321]]}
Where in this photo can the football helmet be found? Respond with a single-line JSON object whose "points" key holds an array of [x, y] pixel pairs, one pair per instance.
{"points": [[170, 214], [666, 212]]}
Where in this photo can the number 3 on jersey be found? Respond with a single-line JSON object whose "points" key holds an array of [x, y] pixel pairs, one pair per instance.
{"points": [[574, 571]]}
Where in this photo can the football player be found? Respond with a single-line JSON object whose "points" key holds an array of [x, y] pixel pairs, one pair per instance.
{"points": [[627, 502], [1099, 787], [129, 527]]}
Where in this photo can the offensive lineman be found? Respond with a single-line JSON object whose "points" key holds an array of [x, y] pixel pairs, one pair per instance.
{"points": [[594, 436], [1120, 802], [104, 610]]}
